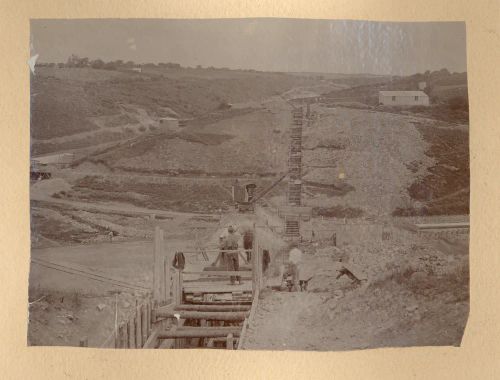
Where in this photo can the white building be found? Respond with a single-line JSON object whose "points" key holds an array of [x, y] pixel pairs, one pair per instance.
{"points": [[403, 98]]}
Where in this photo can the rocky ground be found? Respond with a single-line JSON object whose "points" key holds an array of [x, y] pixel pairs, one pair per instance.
{"points": [[410, 294]]}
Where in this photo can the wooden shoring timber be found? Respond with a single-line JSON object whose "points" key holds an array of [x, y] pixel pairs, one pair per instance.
{"points": [[220, 273], [208, 315], [189, 307], [200, 332], [439, 226]]}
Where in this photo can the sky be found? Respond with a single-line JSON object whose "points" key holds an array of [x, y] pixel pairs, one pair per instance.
{"points": [[290, 45]]}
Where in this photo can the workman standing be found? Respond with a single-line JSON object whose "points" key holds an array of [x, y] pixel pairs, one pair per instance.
{"points": [[222, 256], [233, 259], [248, 244], [294, 260]]}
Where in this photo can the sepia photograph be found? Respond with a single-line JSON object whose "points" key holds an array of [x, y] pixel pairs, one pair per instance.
{"points": [[248, 184]]}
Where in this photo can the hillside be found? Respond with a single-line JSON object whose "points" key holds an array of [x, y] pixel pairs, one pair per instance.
{"points": [[65, 100]]}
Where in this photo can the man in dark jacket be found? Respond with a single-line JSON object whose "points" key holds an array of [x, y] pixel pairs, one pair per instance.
{"points": [[248, 244]]}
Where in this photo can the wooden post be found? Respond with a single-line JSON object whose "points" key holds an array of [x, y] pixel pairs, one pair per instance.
{"points": [[230, 342], [148, 316], [144, 324], [203, 323], [159, 294], [178, 287], [138, 327], [131, 333], [254, 260]]}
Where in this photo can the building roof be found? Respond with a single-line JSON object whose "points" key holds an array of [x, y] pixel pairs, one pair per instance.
{"points": [[402, 93]]}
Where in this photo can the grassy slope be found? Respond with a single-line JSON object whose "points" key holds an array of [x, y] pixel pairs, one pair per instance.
{"points": [[64, 99]]}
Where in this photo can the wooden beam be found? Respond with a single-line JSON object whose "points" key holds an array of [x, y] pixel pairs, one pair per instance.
{"points": [[200, 332], [221, 316], [189, 307], [440, 226]]}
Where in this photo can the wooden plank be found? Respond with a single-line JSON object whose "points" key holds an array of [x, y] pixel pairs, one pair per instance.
{"points": [[221, 316], [213, 307]]}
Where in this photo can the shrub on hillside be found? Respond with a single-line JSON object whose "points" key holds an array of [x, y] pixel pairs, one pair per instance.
{"points": [[458, 103]]}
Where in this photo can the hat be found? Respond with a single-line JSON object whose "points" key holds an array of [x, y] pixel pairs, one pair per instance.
{"points": [[221, 237]]}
